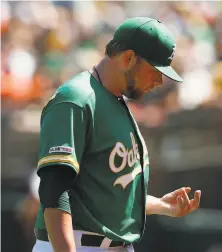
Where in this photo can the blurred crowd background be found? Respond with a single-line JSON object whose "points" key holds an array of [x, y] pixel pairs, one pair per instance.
{"points": [[44, 43]]}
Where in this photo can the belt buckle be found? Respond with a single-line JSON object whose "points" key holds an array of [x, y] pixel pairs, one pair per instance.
{"points": [[126, 244]]}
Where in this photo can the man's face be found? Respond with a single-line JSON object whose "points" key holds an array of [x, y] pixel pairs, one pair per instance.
{"points": [[140, 79]]}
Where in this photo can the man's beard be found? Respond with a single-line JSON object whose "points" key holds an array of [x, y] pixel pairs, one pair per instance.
{"points": [[131, 92]]}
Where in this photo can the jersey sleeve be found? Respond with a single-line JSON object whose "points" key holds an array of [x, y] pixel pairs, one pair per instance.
{"points": [[62, 136]]}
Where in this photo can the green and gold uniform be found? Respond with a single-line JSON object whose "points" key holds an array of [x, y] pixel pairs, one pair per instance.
{"points": [[87, 129]]}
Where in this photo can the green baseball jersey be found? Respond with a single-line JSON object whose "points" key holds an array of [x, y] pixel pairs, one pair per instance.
{"points": [[89, 130]]}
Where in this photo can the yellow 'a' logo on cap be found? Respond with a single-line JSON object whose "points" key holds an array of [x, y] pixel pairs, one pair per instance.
{"points": [[173, 53]]}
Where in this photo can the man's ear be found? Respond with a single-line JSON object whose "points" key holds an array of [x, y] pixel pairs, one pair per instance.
{"points": [[128, 60]]}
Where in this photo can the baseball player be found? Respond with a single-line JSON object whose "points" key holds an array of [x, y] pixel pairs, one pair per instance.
{"points": [[93, 162]]}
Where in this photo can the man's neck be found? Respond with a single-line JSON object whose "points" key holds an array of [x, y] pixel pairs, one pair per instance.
{"points": [[108, 76]]}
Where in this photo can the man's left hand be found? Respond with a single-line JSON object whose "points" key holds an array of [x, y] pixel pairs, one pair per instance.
{"points": [[179, 203]]}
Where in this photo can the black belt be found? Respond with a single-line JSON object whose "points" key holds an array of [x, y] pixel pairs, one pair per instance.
{"points": [[86, 240]]}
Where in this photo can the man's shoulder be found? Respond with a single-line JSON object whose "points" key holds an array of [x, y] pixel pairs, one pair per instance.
{"points": [[77, 90]]}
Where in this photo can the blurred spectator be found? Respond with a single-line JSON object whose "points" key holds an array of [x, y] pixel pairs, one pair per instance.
{"points": [[27, 209], [55, 40]]}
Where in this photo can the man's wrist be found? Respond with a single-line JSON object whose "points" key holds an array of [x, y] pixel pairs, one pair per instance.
{"points": [[155, 205]]}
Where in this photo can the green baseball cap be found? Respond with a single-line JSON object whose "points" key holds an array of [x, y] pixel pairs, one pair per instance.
{"points": [[152, 41]]}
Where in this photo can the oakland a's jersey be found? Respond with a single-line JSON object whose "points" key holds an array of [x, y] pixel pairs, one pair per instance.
{"points": [[89, 130]]}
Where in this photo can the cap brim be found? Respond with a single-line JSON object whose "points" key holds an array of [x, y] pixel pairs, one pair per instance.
{"points": [[168, 71]]}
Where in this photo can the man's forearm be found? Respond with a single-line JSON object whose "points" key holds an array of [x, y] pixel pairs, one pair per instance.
{"points": [[156, 206], [60, 230]]}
